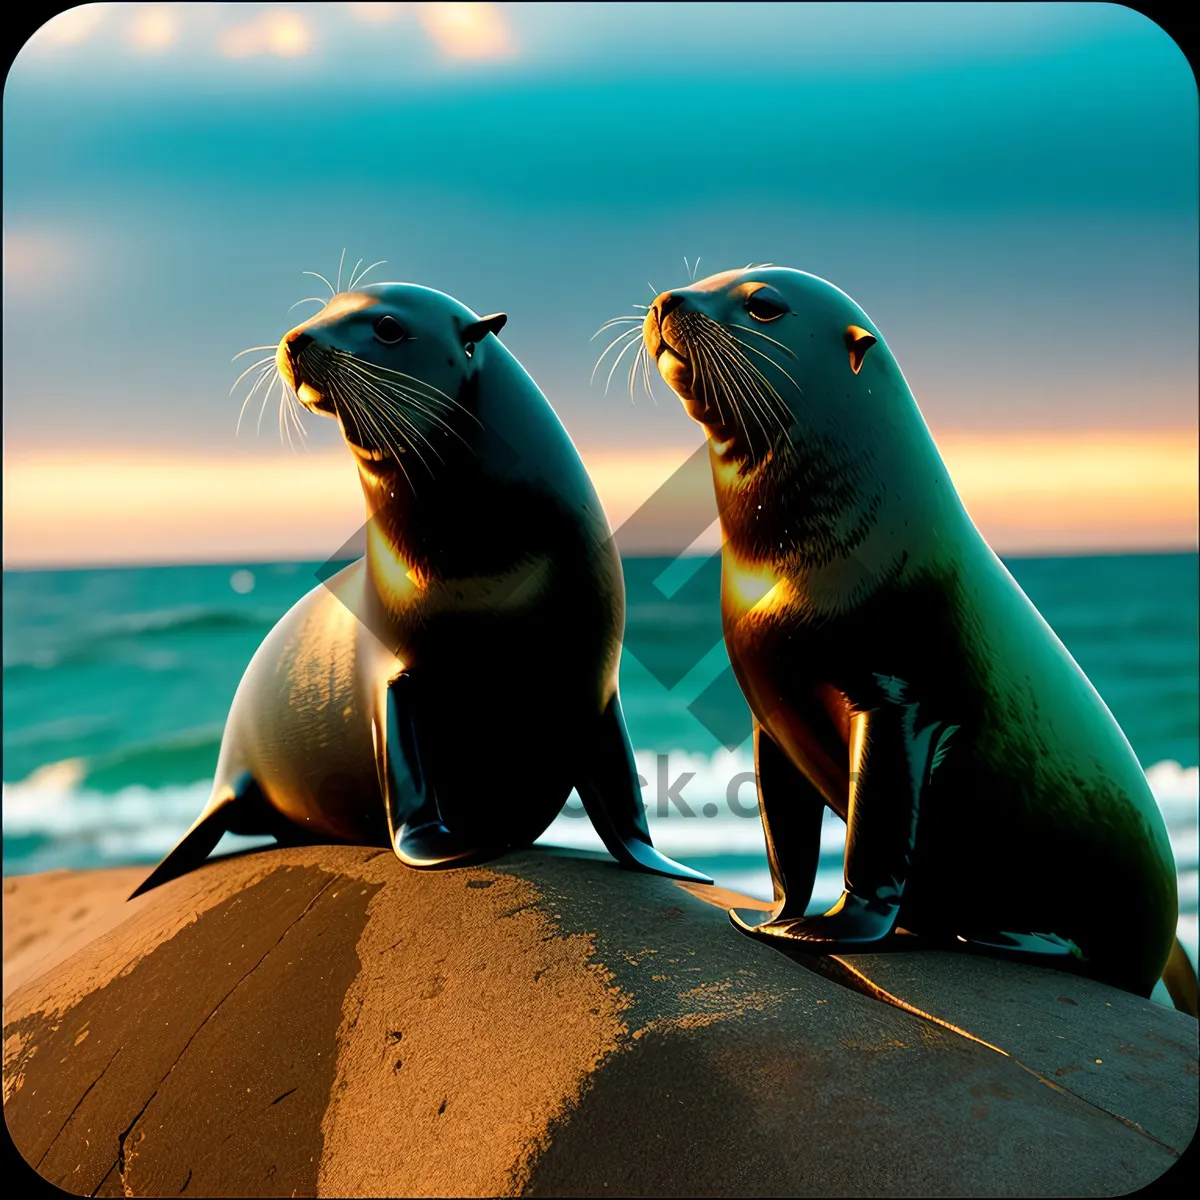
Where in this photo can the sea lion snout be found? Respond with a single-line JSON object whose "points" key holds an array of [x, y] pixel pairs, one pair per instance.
{"points": [[288, 358], [665, 335], [666, 304]]}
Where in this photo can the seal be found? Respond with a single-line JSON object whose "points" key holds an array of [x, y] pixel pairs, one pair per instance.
{"points": [[443, 694], [895, 670]]}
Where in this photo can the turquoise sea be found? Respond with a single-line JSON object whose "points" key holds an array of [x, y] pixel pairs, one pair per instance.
{"points": [[117, 682]]}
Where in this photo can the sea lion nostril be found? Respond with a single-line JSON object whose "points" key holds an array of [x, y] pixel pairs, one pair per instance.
{"points": [[668, 304], [296, 341]]}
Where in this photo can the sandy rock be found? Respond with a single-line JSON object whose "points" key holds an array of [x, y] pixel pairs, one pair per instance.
{"points": [[323, 1021]]}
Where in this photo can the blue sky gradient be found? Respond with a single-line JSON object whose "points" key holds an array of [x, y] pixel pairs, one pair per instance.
{"points": [[1009, 190]]}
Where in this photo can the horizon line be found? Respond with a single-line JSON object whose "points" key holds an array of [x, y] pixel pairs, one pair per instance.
{"points": [[1019, 555]]}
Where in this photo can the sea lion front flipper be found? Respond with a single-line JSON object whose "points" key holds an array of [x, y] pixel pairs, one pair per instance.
{"points": [[612, 799], [199, 842], [418, 834], [890, 755], [792, 810]]}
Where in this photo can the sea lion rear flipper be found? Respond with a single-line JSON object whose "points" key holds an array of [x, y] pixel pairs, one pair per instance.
{"points": [[792, 810], [1180, 978], [419, 836], [199, 842], [612, 799]]}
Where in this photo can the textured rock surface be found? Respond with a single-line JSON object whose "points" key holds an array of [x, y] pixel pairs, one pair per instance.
{"points": [[322, 1021]]}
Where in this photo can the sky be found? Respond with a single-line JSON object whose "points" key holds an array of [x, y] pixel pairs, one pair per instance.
{"points": [[1010, 191]]}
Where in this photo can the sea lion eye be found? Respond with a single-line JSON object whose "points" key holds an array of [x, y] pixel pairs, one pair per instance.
{"points": [[766, 304], [389, 331]]}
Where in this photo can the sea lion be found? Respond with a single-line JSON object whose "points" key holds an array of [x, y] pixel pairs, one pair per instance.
{"points": [[443, 694], [895, 670]]}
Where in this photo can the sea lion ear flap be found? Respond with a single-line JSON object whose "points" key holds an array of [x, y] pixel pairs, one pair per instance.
{"points": [[858, 342], [478, 330]]}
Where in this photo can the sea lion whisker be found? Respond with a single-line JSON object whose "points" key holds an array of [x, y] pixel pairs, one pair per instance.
{"points": [[644, 307], [604, 353], [701, 373], [350, 284], [266, 398], [736, 392], [368, 421], [249, 350], [737, 345], [404, 427], [704, 369], [420, 402], [386, 391], [762, 354], [768, 397], [306, 300], [644, 354], [367, 370], [759, 333], [617, 361], [376, 369], [703, 349], [633, 366], [264, 374], [639, 364], [433, 396], [614, 321], [754, 398], [751, 369], [285, 411], [634, 335], [381, 262], [740, 393], [341, 263], [755, 388], [366, 425], [269, 359], [296, 410], [322, 278], [771, 390], [394, 412]]}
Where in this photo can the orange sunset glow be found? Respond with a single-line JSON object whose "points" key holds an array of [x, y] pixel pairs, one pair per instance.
{"points": [[1027, 493]]}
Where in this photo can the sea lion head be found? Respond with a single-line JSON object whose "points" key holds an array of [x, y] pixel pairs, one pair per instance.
{"points": [[393, 363], [769, 353]]}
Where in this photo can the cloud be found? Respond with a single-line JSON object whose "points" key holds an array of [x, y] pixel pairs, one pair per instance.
{"points": [[73, 27], [376, 14], [476, 32], [278, 32], [153, 28], [35, 264]]}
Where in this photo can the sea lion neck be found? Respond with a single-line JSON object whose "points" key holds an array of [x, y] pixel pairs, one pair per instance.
{"points": [[425, 527], [808, 506], [507, 490]]}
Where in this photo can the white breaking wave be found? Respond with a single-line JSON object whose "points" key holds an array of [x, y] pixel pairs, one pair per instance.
{"points": [[699, 807]]}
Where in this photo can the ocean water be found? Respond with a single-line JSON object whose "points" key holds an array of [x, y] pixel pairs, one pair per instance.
{"points": [[117, 683]]}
